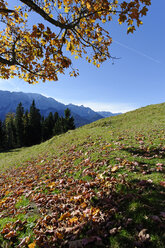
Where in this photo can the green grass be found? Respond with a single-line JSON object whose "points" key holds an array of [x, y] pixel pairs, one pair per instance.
{"points": [[117, 166]]}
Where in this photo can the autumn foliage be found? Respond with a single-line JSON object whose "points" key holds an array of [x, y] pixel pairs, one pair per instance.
{"points": [[41, 50]]}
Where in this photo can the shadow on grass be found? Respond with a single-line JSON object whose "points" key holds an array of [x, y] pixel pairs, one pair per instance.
{"points": [[134, 218], [10, 150], [158, 153]]}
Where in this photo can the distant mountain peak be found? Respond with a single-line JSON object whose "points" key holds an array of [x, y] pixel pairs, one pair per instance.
{"points": [[107, 113], [82, 115]]}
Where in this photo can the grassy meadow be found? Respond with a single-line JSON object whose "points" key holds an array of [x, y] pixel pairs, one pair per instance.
{"points": [[101, 185]]}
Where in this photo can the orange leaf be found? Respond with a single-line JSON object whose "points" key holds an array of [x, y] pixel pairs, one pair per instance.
{"points": [[83, 205], [11, 234], [59, 235]]}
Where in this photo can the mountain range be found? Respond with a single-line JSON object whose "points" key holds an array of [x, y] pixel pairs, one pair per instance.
{"points": [[82, 115]]}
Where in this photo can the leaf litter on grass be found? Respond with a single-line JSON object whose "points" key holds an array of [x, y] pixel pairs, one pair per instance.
{"points": [[98, 193]]}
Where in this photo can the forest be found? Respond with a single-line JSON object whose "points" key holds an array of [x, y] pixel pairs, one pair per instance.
{"points": [[27, 128]]}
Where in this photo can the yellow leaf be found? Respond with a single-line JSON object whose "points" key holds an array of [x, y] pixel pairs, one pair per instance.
{"points": [[3, 201], [26, 15], [73, 220], [7, 192], [114, 169], [32, 245], [66, 9], [139, 23], [108, 145], [12, 67], [95, 211], [120, 22], [100, 176], [83, 205], [51, 185], [64, 216], [100, 39], [88, 6], [108, 184], [49, 227]]}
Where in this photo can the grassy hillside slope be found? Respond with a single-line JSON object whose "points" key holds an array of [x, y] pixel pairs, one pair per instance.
{"points": [[101, 185]]}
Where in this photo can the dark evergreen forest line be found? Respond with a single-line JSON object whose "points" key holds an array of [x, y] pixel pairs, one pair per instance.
{"points": [[27, 128]]}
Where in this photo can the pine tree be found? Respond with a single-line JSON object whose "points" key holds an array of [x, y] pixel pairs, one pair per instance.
{"points": [[26, 128], [68, 121], [43, 129], [34, 124], [10, 131], [56, 117], [19, 125], [48, 126], [71, 124], [59, 126], [1, 135]]}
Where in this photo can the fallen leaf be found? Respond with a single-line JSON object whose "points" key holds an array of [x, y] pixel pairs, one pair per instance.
{"points": [[64, 216], [115, 168], [59, 235], [73, 220], [143, 235], [32, 245]]}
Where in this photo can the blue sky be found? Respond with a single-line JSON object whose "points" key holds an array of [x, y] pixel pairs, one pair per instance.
{"points": [[137, 79]]}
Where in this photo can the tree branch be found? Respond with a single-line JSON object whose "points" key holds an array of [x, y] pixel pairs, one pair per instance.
{"points": [[70, 25], [85, 15], [42, 13], [7, 62], [6, 11]]}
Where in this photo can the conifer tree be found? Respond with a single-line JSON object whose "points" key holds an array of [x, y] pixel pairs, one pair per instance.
{"points": [[26, 129], [10, 131], [49, 124], [56, 117], [1, 135], [68, 121], [58, 127], [43, 133], [19, 125], [34, 124]]}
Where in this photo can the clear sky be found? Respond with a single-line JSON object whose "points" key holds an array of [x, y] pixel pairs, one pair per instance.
{"points": [[137, 79]]}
